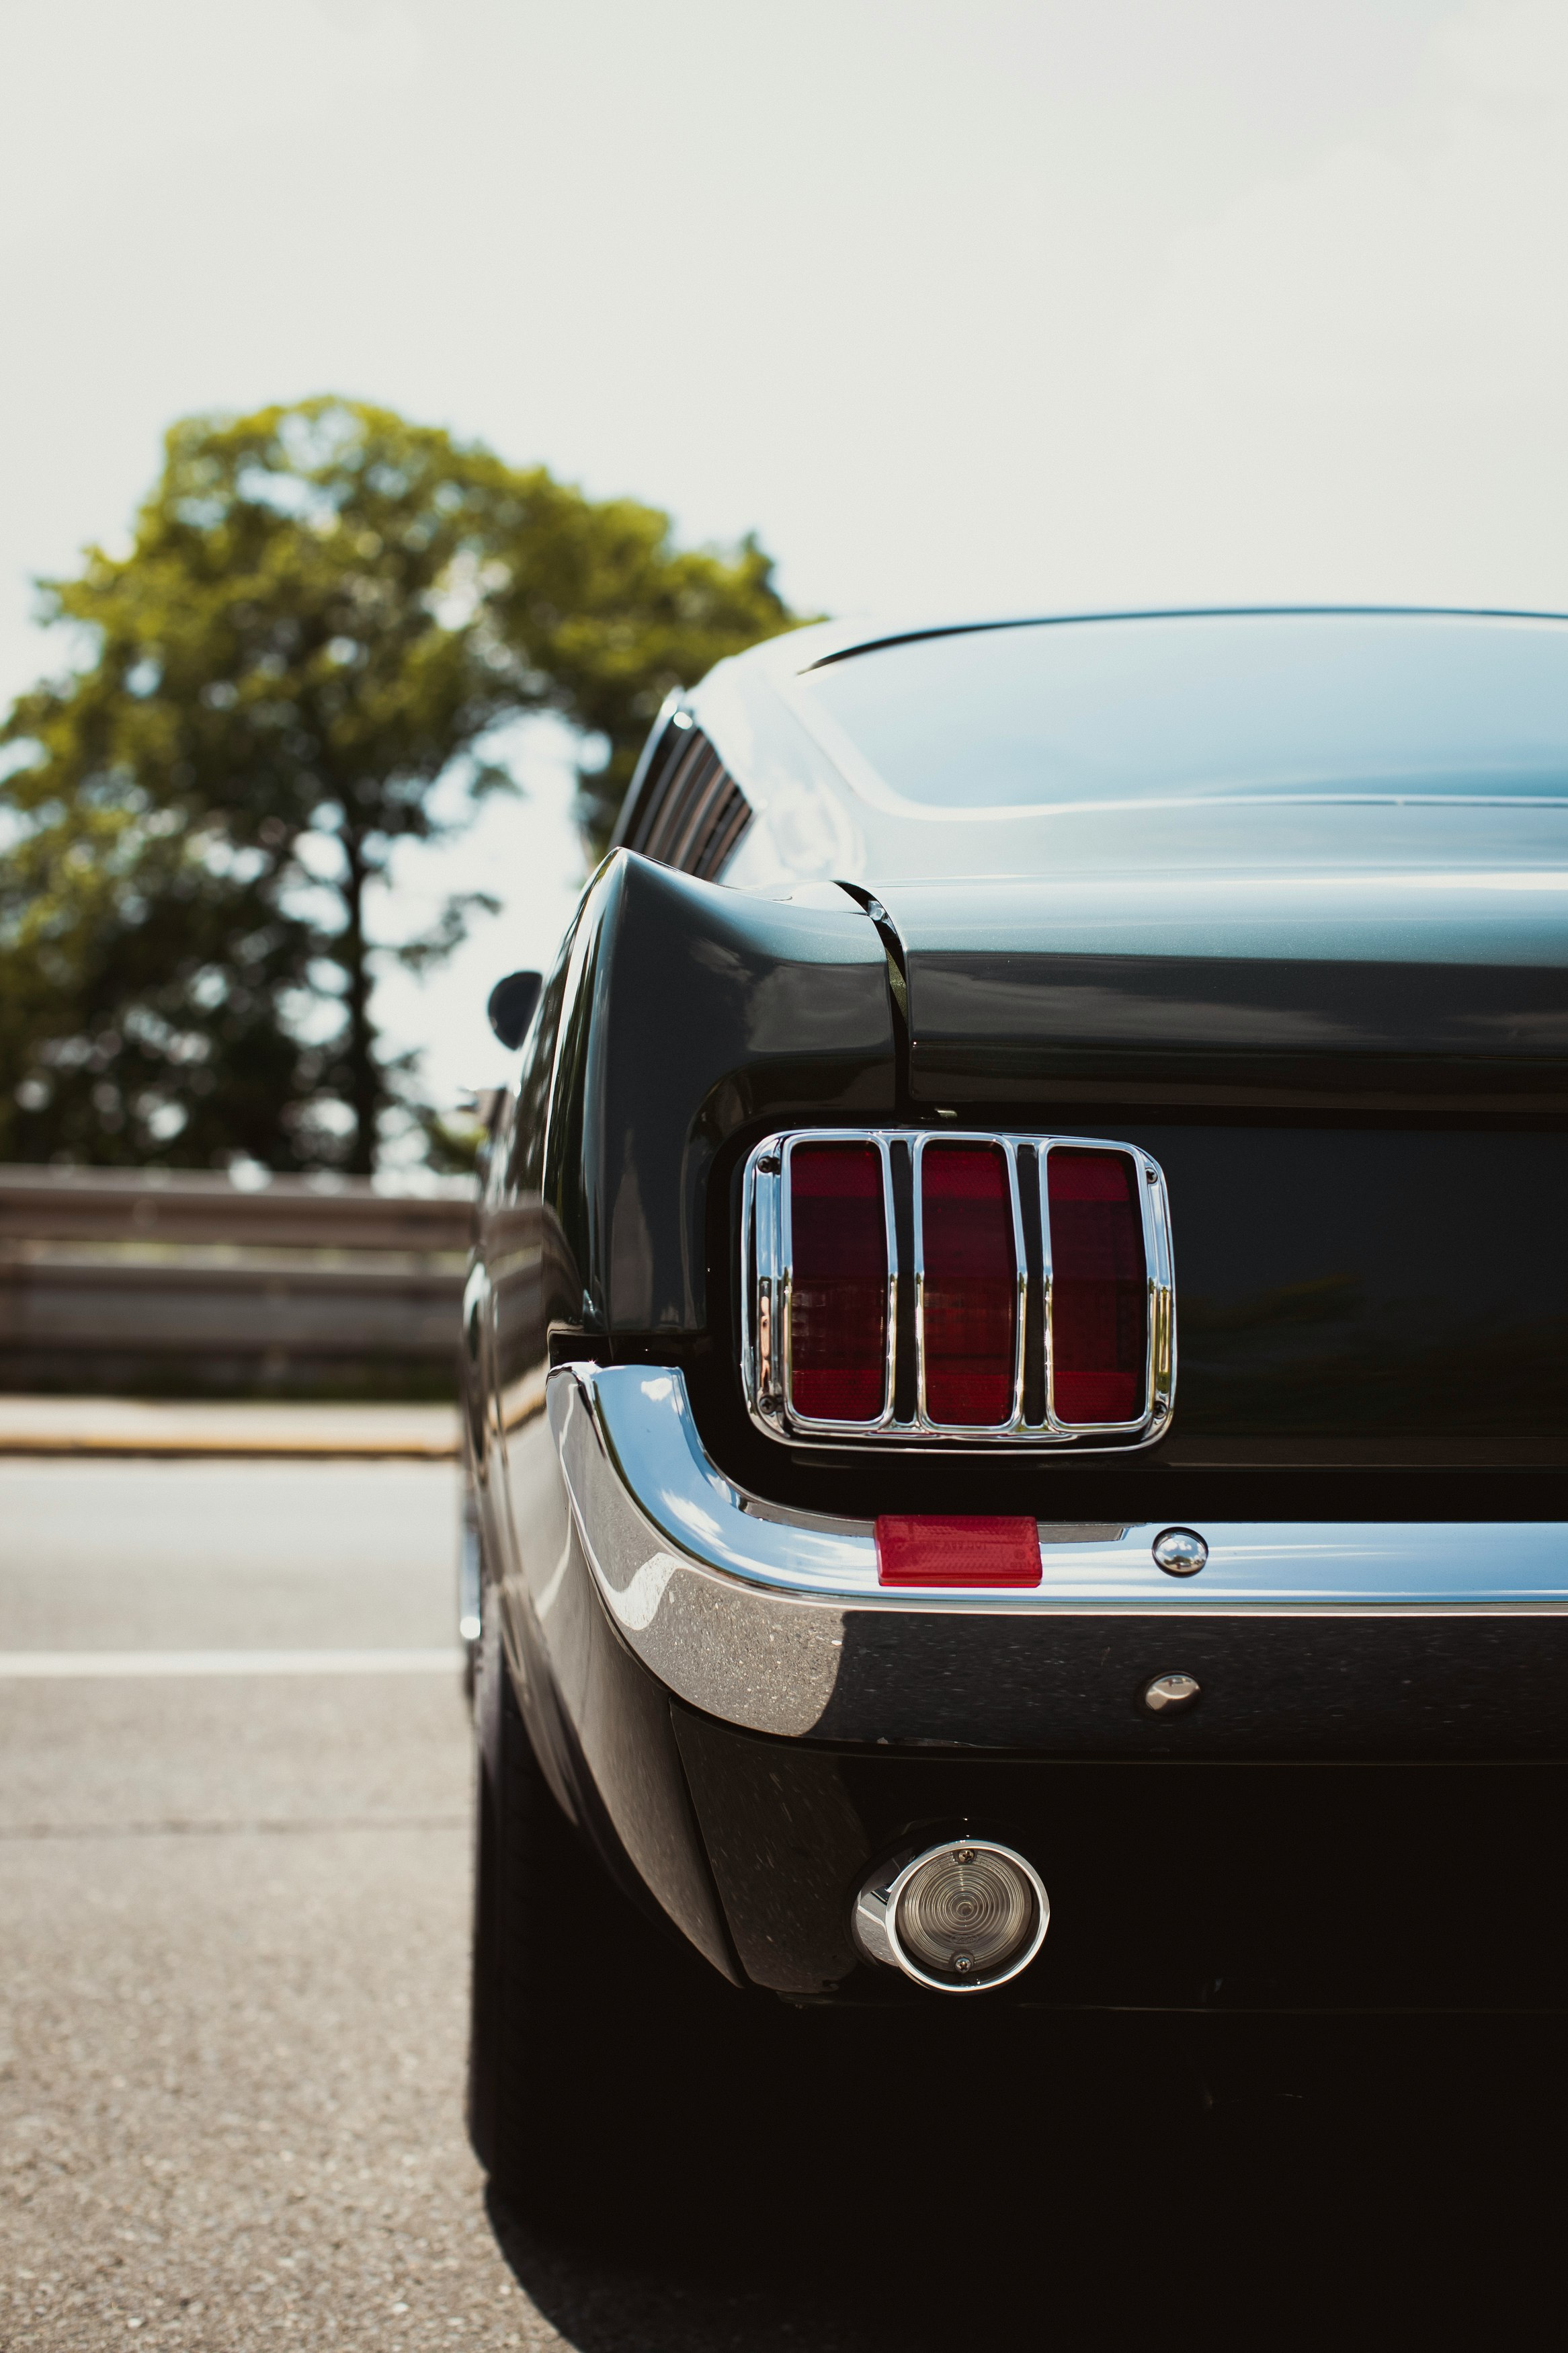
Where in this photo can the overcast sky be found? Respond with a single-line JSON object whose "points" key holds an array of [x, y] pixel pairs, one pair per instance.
{"points": [[977, 304]]}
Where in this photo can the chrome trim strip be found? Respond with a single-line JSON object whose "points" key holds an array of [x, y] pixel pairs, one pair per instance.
{"points": [[638, 1456], [766, 1274], [745, 1609]]}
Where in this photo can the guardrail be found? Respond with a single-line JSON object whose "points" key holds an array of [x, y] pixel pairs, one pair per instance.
{"points": [[183, 1283]]}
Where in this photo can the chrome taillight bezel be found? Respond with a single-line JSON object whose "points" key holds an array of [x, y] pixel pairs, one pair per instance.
{"points": [[786, 1262], [925, 1422], [766, 1273]]}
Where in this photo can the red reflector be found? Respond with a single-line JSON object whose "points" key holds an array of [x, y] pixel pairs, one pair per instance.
{"points": [[957, 1552], [1099, 1294], [970, 1284], [838, 1285]]}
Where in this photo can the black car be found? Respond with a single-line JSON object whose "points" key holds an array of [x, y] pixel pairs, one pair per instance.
{"points": [[1015, 1355]]}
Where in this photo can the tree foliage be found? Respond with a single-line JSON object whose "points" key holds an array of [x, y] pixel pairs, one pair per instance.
{"points": [[323, 608]]}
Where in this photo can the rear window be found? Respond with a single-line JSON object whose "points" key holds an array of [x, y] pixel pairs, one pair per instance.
{"points": [[1098, 711]]}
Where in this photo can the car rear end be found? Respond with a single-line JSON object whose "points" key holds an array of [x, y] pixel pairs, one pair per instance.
{"points": [[1044, 1477]]}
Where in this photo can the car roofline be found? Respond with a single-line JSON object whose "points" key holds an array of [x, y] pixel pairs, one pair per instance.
{"points": [[872, 638]]}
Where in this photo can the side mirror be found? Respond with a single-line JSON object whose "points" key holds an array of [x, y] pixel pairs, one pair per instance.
{"points": [[512, 1005]]}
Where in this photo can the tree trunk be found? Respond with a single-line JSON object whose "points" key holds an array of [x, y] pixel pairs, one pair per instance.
{"points": [[363, 1088]]}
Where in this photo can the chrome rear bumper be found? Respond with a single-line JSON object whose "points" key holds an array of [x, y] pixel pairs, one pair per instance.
{"points": [[1305, 1638]]}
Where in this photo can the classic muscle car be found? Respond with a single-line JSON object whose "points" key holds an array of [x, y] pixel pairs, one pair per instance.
{"points": [[1015, 1360]]}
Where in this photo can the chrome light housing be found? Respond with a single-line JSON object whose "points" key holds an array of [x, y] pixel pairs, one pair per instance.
{"points": [[1043, 1273], [957, 1918]]}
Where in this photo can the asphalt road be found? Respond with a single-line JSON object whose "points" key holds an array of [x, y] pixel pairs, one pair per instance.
{"points": [[233, 1930]]}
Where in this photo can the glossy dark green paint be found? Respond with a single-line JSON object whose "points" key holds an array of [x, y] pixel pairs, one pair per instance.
{"points": [[1367, 992], [688, 1014], [1371, 1285], [1369, 1280]]}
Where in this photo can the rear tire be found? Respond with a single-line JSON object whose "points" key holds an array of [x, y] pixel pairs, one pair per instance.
{"points": [[529, 1874], [574, 1995]]}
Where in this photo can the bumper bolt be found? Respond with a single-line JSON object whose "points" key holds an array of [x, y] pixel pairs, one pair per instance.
{"points": [[1180, 1552], [1170, 1695]]}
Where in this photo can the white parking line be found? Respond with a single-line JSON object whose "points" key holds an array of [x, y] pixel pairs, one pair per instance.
{"points": [[55, 1666]]}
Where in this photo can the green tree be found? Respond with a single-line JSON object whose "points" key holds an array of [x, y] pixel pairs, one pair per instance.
{"points": [[143, 982], [619, 616], [324, 608]]}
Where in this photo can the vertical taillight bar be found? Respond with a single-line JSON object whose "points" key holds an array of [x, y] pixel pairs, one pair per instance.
{"points": [[970, 1259], [1098, 1317], [837, 1349]]}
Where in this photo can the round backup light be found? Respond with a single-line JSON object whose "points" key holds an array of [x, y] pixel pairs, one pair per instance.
{"points": [[957, 1918]]}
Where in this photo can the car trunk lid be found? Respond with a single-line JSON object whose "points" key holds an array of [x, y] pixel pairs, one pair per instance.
{"points": [[1420, 991]]}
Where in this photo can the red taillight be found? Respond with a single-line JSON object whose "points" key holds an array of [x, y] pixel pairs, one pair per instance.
{"points": [[971, 1291], [939, 1550], [838, 1288], [1098, 1286]]}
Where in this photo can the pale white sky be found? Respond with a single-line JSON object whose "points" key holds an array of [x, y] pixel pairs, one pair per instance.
{"points": [[975, 303]]}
